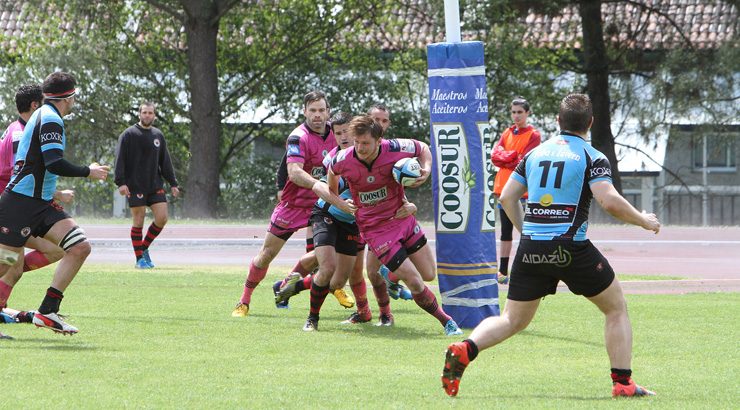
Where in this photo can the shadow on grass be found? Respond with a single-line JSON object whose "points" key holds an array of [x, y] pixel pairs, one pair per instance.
{"points": [[47, 344], [476, 398], [565, 339]]}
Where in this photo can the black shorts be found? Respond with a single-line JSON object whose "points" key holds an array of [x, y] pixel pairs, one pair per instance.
{"points": [[328, 231], [539, 265], [22, 216], [141, 199]]}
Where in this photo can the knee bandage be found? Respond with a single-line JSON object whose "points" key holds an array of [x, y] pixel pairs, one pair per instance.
{"points": [[8, 257], [72, 238]]}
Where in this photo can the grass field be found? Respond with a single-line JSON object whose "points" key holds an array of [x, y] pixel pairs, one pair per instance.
{"points": [[165, 339]]}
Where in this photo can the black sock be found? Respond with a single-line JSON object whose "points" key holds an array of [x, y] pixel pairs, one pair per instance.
{"points": [[621, 376], [472, 349], [51, 301], [503, 267], [299, 287]]}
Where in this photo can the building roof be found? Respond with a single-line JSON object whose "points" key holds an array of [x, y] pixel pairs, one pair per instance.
{"points": [[645, 24]]}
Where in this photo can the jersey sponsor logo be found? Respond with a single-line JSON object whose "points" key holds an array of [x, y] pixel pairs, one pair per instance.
{"points": [[5, 230], [405, 145], [140, 196], [294, 149], [373, 197], [600, 172], [455, 178], [559, 257], [50, 137], [551, 214], [554, 153], [546, 200], [488, 222], [318, 172], [26, 231], [156, 142]]}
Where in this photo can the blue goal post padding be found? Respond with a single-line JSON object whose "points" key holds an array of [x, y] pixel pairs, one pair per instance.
{"points": [[462, 182]]}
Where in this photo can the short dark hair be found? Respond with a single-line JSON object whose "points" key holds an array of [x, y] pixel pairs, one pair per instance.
{"points": [[340, 118], [379, 107], [26, 95], [575, 113], [314, 96], [522, 102], [59, 85], [364, 124], [148, 104]]}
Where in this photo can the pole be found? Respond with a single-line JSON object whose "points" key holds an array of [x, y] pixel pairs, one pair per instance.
{"points": [[452, 21], [705, 186]]}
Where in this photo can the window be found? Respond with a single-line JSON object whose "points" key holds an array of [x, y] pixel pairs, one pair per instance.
{"points": [[720, 151]]}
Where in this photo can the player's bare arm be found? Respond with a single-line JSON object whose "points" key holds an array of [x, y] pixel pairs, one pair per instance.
{"points": [[620, 208], [298, 176], [513, 190]]}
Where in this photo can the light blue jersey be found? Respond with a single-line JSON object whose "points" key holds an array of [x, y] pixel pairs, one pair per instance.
{"points": [[337, 213], [558, 175], [42, 143]]}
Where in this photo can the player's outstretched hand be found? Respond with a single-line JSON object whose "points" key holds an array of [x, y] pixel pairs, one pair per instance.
{"points": [[650, 222], [423, 178], [66, 195], [98, 171]]}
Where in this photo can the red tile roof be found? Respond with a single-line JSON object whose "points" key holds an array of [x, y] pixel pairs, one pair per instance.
{"points": [[657, 25]]}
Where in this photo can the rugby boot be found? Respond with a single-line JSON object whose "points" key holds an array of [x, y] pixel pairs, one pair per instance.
{"points": [[451, 328], [284, 293], [241, 310], [456, 360], [385, 320], [54, 322], [312, 324], [630, 390], [395, 290], [355, 318], [343, 298], [147, 258]]}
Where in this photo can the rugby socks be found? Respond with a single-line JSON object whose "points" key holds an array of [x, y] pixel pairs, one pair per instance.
{"points": [[472, 349], [304, 284], [503, 266], [151, 235], [360, 292], [136, 238], [51, 301], [318, 295], [384, 301], [254, 278], [5, 290], [621, 376], [34, 260], [427, 301]]}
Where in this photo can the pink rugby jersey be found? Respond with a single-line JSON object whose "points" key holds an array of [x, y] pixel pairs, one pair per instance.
{"points": [[7, 152], [374, 191], [310, 148]]}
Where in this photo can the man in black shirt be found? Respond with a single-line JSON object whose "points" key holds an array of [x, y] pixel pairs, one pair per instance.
{"points": [[142, 162]]}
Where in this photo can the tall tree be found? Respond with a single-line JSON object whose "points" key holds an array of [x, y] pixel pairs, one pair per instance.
{"points": [[596, 68], [201, 18]]}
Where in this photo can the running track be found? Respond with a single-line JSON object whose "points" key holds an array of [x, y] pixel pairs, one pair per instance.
{"points": [[707, 258]]}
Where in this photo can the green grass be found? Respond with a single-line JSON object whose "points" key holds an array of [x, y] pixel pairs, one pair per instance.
{"points": [[165, 339]]}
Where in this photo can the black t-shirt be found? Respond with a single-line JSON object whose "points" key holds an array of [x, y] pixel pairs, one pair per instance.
{"points": [[142, 160]]}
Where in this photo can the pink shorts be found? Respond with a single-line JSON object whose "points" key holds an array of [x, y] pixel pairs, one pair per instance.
{"points": [[393, 241], [287, 219]]}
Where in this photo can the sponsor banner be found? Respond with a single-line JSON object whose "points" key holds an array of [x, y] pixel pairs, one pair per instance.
{"points": [[464, 213]]}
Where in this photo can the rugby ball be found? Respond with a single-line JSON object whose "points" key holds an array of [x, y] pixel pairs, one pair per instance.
{"points": [[406, 170]]}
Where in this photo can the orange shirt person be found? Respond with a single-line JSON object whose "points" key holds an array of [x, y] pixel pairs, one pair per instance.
{"points": [[514, 143]]}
